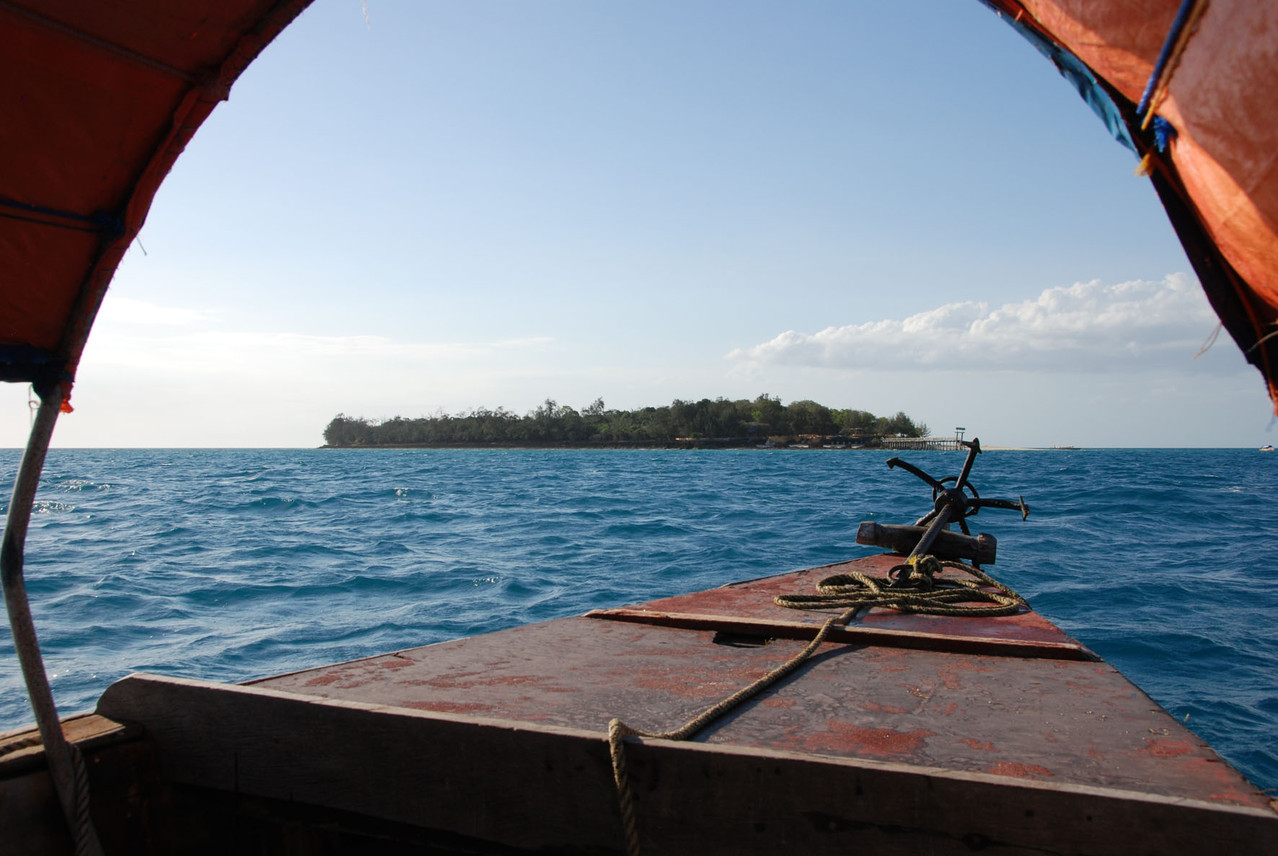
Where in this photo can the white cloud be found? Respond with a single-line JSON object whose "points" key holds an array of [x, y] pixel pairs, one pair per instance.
{"points": [[126, 310], [1086, 327]]}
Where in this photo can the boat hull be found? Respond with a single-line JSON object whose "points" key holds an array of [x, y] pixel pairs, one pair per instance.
{"points": [[903, 734]]}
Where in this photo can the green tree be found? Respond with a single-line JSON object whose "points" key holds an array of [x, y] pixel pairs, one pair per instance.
{"points": [[767, 410], [808, 417], [345, 430]]}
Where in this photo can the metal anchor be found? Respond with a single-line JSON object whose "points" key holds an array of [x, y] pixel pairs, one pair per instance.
{"points": [[954, 499]]}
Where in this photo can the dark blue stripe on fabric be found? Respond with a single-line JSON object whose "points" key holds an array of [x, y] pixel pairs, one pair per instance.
{"points": [[25, 218], [24, 354], [1080, 76], [52, 212], [27, 364], [1169, 44], [101, 221], [22, 363]]}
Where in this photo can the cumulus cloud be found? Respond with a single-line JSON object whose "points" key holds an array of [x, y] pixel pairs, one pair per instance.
{"points": [[1089, 326]]}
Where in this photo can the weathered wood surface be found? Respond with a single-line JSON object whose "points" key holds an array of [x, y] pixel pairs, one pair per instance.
{"points": [[752, 600], [905, 734], [21, 750], [1048, 719], [128, 801], [886, 636], [549, 787], [487, 779]]}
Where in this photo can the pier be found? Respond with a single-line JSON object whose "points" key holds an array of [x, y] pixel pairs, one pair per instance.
{"points": [[937, 444]]}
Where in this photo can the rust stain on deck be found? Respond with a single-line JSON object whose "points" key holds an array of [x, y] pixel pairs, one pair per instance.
{"points": [[951, 676], [395, 661], [1164, 748], [982, 745], [868, 742]]}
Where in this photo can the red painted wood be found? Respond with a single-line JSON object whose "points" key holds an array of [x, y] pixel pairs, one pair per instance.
{"points": [[1030, 717], [749, 607]]}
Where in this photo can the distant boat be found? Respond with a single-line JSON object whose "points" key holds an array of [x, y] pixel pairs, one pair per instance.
{"points": [[1266, 448]]}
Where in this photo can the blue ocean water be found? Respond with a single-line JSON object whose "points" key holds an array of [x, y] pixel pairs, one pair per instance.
{"points": [[234, 564]]}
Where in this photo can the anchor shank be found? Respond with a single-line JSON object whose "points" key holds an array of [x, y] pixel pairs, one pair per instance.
{"points": [[933, 529]]}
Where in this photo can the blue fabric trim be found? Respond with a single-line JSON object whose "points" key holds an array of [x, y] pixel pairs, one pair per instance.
{"points": [[40, 209], [26, 364], [109, 225], [10, 354], [1169, 44], [1164, 133], [1080, 77]]}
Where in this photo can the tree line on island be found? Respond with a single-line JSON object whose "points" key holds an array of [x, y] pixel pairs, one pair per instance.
{"points": [[718, 422]]}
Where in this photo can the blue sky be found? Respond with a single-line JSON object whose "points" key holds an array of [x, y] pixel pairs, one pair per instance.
{"points": [[410, 206]]}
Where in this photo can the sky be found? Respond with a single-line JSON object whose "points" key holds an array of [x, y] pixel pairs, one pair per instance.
{"points": [[412, 207]]}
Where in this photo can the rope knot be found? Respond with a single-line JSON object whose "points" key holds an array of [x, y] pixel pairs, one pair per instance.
{"points": [[925, 569], [917, 572]]}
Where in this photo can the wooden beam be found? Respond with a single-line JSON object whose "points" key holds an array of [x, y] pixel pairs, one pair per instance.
{"points": [[524, 786], [852, 633]]}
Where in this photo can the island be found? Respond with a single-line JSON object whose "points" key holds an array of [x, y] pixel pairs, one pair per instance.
{"points": [[719, 423]]}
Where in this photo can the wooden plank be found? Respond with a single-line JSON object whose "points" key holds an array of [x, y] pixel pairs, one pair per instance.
{"points": [[753, 600], [550, 788], [855, 633], [21, 750], [487, 779]]}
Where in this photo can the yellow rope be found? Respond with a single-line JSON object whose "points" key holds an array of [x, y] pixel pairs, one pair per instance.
{"points": [[919, 593]]}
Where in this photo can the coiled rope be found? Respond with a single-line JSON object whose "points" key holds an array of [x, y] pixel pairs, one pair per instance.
{"points": [[912, 587], [909, 587]]}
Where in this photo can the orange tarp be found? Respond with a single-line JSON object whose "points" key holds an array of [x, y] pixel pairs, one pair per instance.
{"points": [[1220, 99], [99, 99]]}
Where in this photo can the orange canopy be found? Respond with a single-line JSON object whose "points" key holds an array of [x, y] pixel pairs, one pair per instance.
{"points": [[100, 97], [1216, 91]]}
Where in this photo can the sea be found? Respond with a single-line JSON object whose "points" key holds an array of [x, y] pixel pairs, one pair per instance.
{"points": [[235, 564]]}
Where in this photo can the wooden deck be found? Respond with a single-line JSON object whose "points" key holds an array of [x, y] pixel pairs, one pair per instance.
{"points": [[905, 734]]}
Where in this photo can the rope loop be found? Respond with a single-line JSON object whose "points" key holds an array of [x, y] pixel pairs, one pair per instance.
{"points": [[617, 732]]}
